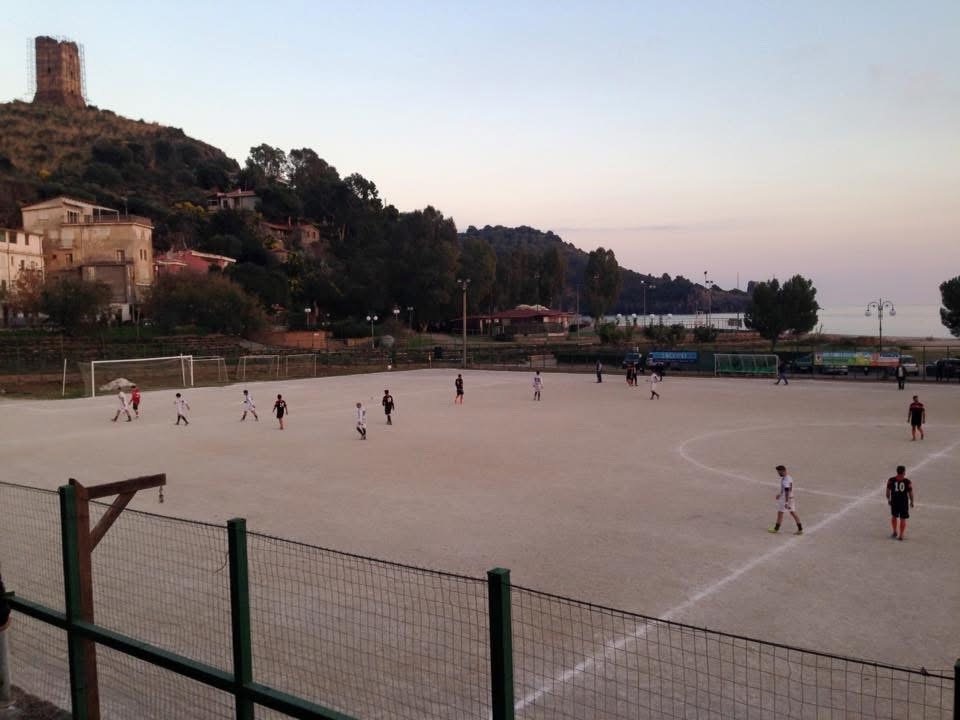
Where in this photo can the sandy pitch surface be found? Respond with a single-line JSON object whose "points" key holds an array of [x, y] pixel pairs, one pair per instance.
{"points": [[653, 506]]}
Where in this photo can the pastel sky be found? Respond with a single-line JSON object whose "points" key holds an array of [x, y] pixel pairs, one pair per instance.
{"points": [[753, 138]]}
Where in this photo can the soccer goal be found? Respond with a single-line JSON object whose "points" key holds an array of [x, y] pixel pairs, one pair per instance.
{"points": [[258, 367], [106, 376], [210, 370], [300, 365], [748, 365]]}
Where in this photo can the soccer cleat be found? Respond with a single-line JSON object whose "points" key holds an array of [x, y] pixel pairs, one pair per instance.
{"points": [[893, 534], [799, 531], [900, 537], [772, 529]]}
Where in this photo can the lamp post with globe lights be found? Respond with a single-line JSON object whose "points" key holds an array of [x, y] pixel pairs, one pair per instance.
{"points": [[371, 319], [880, 305]]}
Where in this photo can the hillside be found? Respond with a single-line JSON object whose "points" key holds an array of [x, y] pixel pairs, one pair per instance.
{"points": [[673, 295], [100, 156]]}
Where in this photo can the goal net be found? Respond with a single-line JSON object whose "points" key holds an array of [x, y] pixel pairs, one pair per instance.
{"points": [[108, 376], [258, 367], [300, 365], [742, 364], [210, 371]]}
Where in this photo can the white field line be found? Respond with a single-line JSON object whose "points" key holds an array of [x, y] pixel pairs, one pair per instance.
{"points": [[611, 647], [685, 454]]}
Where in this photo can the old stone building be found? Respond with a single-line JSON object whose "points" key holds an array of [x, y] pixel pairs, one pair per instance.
{"points": [[59, 73], [96, 243]]}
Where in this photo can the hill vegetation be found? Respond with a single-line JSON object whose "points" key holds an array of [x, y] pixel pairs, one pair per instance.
{"points": [[372, 257]]}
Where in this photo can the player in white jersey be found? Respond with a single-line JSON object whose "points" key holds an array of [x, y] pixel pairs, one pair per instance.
{"points": [[124, 406], [361, 421], [786, 501], [654, 382], [182, 406], [537, 385], [248, 407]]}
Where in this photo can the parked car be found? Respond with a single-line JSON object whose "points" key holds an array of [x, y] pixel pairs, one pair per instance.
{"points": [[945, 368], [910, 364], [631, 358], [805, 364]]}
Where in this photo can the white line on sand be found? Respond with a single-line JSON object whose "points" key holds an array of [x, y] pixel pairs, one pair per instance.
{"points": [[685, 454], [611, 647]]}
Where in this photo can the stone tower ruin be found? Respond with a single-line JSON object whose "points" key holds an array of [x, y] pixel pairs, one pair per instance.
{"points": [[59, 73]]}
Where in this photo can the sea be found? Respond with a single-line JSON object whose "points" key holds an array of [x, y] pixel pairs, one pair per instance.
{"points": [[915, 321]]}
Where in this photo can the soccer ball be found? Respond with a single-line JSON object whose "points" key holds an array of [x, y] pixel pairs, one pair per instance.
{"points": [[389, 367]]}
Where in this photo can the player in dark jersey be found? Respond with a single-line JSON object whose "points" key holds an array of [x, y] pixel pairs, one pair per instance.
{"points": [[388, 405], [458, 384], [900, 497], [280, 409], [916, 416]]}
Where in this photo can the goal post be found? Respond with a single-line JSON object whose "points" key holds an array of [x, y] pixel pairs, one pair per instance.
{"points": [[147, 373], [210, 370], [258, 367], [744, 364], [300, 365]]}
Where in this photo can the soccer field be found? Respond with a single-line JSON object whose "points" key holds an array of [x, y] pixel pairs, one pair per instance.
{"points": [[659, 507]]}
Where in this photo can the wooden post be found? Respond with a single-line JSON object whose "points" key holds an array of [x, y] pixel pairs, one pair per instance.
{"points": [[79, 542]]}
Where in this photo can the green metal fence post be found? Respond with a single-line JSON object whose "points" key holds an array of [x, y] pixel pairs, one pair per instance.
{"points": [[501, 644], [240, 614], [956, 691], [71, 587]]}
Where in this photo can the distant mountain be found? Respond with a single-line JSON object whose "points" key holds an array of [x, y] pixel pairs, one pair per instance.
{"points": [[100, 156], [668, 295]]}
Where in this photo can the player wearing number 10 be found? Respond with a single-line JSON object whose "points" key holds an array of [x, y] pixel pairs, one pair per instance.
{"points": [[899, 493]]}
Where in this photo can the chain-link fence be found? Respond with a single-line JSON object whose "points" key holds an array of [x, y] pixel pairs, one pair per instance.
{"points": [[174, 601]]}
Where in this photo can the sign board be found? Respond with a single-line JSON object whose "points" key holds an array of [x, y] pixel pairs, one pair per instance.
{"points": [[686, 357]]}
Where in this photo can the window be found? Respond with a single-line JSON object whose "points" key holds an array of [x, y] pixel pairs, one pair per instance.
{"points": [[73, 216], [70, 258], [3, 284], [3, 235], [121, 256], [12, 238], [22, 264]]}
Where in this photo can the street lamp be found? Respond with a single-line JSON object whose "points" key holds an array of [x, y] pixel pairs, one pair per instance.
{"points": [[307, 312], [880, 305], [396, 313], [372, 319], [643, 284], [708, 284], [410, 316], [464, 284]]}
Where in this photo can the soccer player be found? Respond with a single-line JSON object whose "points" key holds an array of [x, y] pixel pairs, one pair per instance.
{"points": [[599, 371], [361, 421], [124, 407], [787, 501], [900, 497], [916, 416], [248, 407], [280, 409], [631, 375], [458, 384], [182, 406], [135, 400], [537, 385], [388, 405], [781, 373], [901, 375], [654, 381]]}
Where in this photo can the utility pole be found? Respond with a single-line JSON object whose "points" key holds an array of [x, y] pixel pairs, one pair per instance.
{"points": [[464, 284]]}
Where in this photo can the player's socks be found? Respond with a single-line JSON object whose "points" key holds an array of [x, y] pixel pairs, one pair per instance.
{"points": [[893, 524]]}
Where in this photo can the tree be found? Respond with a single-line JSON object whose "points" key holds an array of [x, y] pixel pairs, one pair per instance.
{"points": [[26, 295], [72, 302], [774, 310], [950, 312], [270, 161], [552, 278], [602, 281], [478, 262], [211, 302]]}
